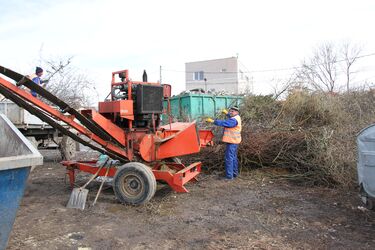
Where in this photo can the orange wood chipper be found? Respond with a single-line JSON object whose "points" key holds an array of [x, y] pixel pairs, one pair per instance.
{"points": [[126, 127]]}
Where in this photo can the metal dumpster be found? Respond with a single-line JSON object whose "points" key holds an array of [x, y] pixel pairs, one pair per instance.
{"points": [[17, 155], [366, 165], [189, 106]]}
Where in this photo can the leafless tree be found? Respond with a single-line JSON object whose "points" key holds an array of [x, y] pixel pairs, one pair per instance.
{"points": [[320, 72], [350, 53], [68, 82], [323, 70], [282, 87]]}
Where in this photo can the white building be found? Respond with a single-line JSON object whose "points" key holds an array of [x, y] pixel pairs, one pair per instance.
{"points": [[219, 75]]}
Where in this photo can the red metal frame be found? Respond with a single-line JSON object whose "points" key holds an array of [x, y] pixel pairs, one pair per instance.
{"points": [[206, 138], [67, 119], [178, 179], [168, 141], [176, 175], [110, 127]]}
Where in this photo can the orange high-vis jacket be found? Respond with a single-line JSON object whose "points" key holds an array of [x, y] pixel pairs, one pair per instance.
{"points": [[233, 135]]}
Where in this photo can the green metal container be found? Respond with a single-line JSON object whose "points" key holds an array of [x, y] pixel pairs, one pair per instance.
{"points": [[189, 107]]}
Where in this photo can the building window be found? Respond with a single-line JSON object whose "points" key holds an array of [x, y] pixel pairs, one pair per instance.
{"points": [[223, 70], [198, 76]]}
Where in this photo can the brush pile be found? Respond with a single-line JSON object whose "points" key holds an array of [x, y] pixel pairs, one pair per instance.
{"points": [[312, 135]]}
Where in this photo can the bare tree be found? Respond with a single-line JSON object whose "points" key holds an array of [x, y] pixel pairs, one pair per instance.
{"points": [[350, 54], [320, 72], [323, 71], [282, 87], [68, 82]]}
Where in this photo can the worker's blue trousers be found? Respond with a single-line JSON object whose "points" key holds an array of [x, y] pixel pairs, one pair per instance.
{"points": [[231, 161]]}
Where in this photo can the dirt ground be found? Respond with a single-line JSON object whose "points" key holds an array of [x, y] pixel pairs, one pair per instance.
{"points": [[247, 213]]}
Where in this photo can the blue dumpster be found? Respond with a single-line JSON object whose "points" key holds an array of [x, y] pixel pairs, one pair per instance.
{"points": [[17, 155]]}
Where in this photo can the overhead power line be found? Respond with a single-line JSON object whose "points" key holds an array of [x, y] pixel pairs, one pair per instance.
{"points": [[263, 70]]}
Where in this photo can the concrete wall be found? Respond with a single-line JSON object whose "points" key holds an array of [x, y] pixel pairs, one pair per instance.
{"points": [[220, 74]]}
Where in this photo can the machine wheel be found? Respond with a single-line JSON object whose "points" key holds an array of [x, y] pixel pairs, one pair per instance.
{"points": [[68, 148], [33, 141], [134, 183]]}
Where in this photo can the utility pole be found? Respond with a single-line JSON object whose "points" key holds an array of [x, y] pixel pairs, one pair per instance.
{"points": [[160, 74]]}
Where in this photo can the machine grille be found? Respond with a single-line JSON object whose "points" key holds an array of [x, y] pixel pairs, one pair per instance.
{"points": [[149, 99]]}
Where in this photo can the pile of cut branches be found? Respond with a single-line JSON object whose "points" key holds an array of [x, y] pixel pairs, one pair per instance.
{"points": [[312, 135]]}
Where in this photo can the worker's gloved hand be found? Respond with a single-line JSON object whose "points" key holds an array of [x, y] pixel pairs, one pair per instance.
{"points": [[210, 120], [224, 111]]}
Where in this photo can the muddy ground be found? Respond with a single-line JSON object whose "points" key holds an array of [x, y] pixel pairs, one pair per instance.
{"points": [[251, 212]]}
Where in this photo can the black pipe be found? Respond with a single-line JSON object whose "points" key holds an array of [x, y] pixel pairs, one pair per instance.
{"points": [[144, 77]]}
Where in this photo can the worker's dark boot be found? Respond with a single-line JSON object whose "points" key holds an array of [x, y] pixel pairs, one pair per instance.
{"points": [[226, 178]]}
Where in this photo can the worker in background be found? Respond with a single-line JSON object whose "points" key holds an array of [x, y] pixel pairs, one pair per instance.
{"points": [[37, 79], [232, 138]]}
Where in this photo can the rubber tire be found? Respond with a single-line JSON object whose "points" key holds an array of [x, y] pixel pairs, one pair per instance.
{"points": [[145, 178], [68, 148], [33, 141]]}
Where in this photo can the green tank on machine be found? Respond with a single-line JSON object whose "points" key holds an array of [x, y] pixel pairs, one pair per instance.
{"points": [[187, 107]]}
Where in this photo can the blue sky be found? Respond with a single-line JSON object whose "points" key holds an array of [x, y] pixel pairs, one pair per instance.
{"points": [[105, 36]]}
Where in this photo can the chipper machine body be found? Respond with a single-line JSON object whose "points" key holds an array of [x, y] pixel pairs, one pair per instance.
{"points": [[126, 127]]}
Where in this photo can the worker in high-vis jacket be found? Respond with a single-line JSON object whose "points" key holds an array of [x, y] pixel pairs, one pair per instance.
{"points": [[232, 138]]}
